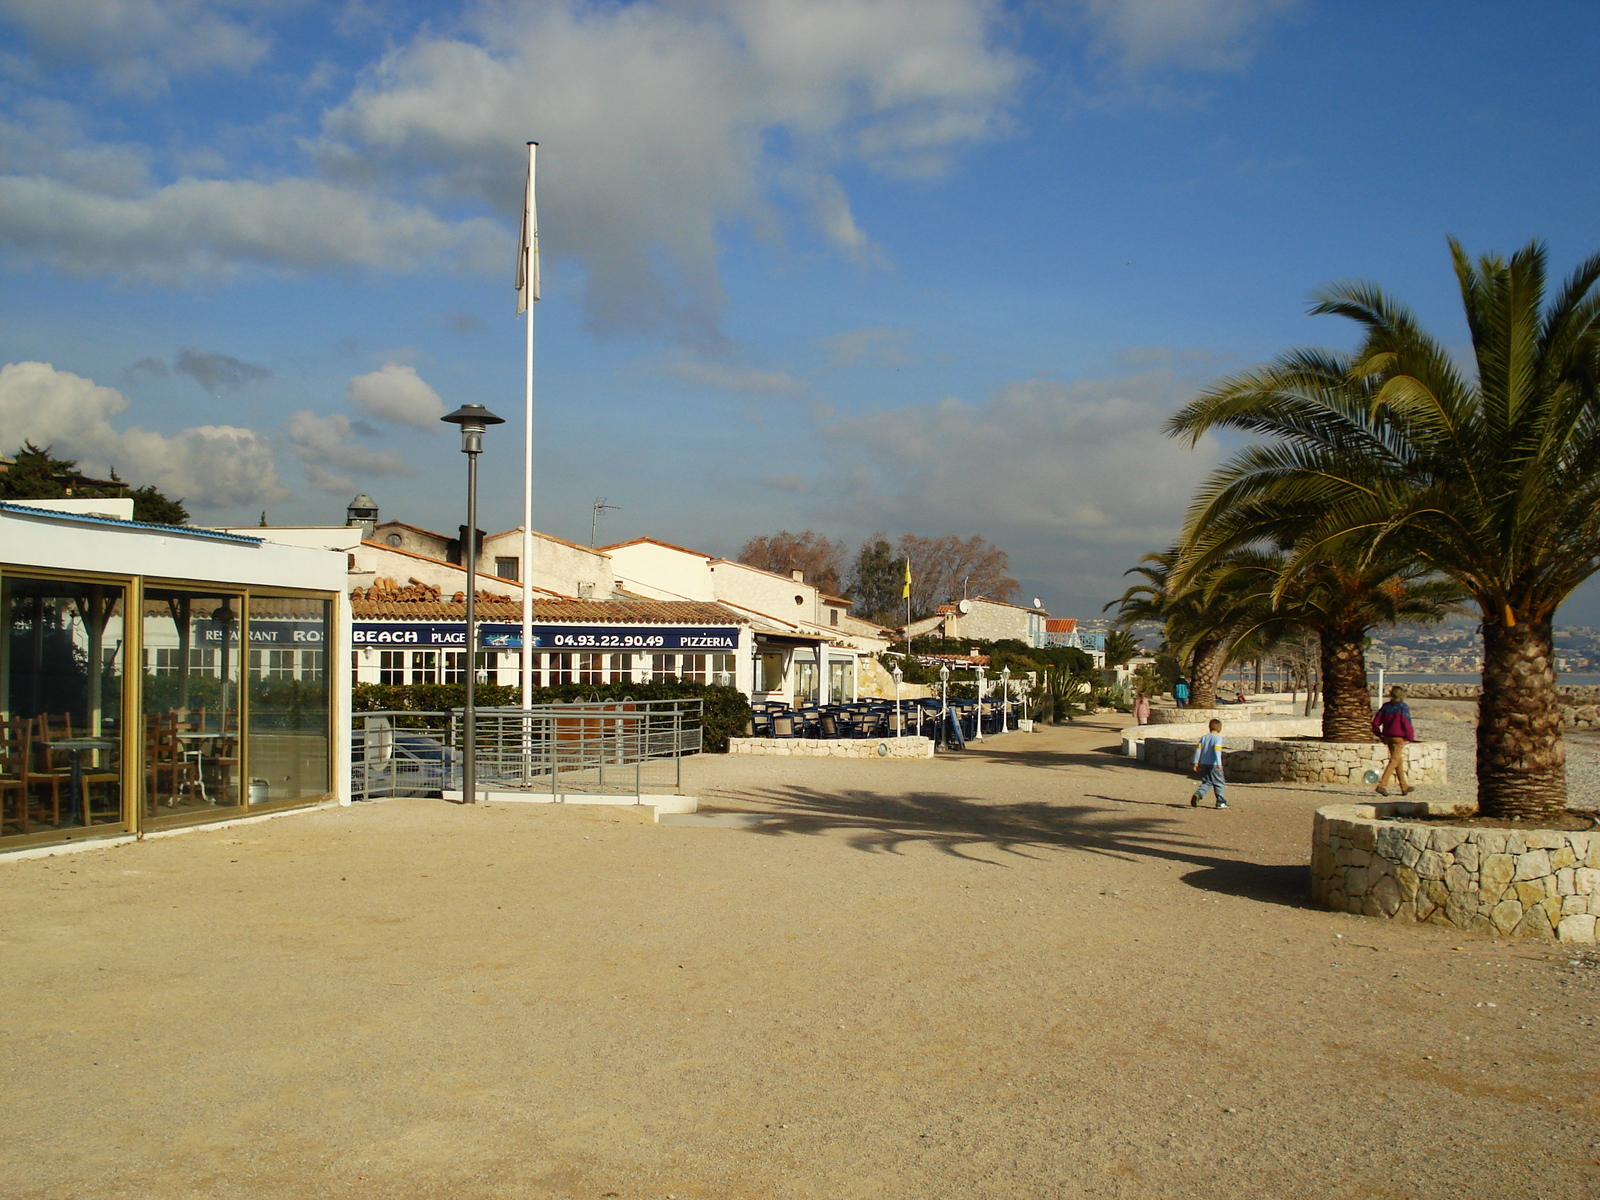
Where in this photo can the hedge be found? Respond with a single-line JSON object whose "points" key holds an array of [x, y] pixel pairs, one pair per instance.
{"points": [[726, 711]]}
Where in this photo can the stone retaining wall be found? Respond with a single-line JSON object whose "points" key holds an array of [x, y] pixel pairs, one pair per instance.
{"points": [[906, 747], [1522, 883], [1260, 727], [1571, 697], [1306, 760]]}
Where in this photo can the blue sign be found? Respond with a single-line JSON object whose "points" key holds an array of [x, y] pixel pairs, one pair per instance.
{"points": [[715, 639]]}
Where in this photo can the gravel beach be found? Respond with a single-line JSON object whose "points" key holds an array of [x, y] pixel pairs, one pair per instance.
{"points": [[1028, 970]]}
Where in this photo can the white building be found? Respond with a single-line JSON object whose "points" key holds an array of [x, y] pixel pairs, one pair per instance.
{"points": [[983, 619], [153, 676]]}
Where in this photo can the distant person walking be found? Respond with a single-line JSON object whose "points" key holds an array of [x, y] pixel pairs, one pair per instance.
{"points": [[1141, 709], [1180, 692], [1393, 724], [1208, 765]]}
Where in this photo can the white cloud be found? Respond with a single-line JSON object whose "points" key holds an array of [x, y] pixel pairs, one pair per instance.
{"points": [[199, 229], [397, 393], [878, 347], [330, 459], [1076, 480], [739, 381], [1191, 33], [137, 45], [208, 466], [658, 122]]}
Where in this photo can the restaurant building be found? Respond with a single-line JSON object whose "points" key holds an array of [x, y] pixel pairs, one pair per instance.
{"points": [[158, 676]]}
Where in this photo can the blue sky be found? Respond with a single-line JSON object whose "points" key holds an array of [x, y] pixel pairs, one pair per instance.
{"points": [[928, 266]]}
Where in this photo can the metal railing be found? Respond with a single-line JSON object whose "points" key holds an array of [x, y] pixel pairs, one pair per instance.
{"points": [[606, 747]]}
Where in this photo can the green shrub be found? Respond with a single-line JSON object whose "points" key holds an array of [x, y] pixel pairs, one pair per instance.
{"points": [[725, 711]]}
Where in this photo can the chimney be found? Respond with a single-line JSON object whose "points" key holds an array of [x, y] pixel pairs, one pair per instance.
{"points": [[797, 575]]}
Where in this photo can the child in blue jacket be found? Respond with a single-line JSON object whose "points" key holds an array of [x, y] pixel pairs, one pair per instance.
{"points": [[1208, 765]]}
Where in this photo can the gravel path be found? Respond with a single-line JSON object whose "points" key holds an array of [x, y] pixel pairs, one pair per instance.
{"points": [[1025, 971]]}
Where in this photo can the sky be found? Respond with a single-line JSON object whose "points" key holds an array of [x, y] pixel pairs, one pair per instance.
{"points": [[913, 266]]}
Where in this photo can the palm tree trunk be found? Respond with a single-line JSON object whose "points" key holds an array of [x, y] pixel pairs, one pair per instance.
{"points": [[1346, 709], [1522, 765], [1205, 670]]}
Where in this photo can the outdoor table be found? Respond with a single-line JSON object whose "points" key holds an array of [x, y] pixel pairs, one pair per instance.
{"points": [[195, 748], [80, 805]]}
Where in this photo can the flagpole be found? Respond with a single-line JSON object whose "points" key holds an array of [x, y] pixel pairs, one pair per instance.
{"points": [[528, 282]]}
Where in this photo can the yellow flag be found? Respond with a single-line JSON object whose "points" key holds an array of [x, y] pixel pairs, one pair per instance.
{"points": [[905, 592]]}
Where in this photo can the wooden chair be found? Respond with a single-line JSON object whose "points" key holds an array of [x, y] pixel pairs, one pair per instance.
{"points": [[48, 766], [15, 737], [163, 755]]}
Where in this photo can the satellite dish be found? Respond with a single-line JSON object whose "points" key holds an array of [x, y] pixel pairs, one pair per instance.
{"points": [[964, 607], [1038, 603]]}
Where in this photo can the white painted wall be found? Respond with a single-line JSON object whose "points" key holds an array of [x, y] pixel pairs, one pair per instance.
{"points": [[558, 565], [660, 571]]}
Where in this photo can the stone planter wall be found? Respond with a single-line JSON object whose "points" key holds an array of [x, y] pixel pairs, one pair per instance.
{"points": [[1309, 760], [1269, 726], [1533, 883], [906, 747], [1167, 714]]}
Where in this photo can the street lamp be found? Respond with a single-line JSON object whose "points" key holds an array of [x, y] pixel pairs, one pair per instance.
{"points": [[944, 700], [1005, 704], [899, 721], [473, 419], [978, 736]]}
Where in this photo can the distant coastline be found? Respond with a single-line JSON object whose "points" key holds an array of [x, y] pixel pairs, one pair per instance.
{"points": [[1569, 679]]}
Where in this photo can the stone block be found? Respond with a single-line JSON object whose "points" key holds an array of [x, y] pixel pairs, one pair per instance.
{"points": [[1515, 843], [1463, 910], [1535, 923], [1335, 899], [1506, 915], [1438, 893], [1467, 855], [1364, 836], [1431, 865], [1481, 924], [1586, 881], [1386, 894], [1355, 882], [1562, 856], [1491, 841], [1424, 905], [1409, 854], [1529, 892], [1577, 929], [1457, 879], [1371, 908], [1566, 882], [1540, 839], [1407, 879], [1495, 874], [1446, 839], [1532, 864], [1391, 840], [1571, 905]]}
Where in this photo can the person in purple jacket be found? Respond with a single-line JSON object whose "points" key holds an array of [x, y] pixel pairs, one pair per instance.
{"points": [[1393, 724]]}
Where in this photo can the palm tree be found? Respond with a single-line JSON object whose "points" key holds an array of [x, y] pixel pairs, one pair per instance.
{"points": [[1121, 646], [1339, 602], [1200, 625], [1489, 477]]}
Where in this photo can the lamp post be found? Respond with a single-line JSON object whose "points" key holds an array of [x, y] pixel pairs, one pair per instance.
{"points": [[978, 736], [899, 721], [944, 700], [1005, 702], [473, 419]]}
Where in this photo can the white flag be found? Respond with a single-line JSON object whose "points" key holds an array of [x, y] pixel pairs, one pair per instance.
{"points": [[528, 246]]}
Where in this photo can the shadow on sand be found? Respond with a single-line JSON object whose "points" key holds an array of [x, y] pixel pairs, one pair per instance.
{"points": [[987, 832]]}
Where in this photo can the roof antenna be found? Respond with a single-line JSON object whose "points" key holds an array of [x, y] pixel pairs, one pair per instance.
{"points": [[600, 506]]}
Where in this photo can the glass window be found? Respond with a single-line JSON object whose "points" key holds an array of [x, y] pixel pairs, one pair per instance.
{"points": [[723, 667], [455, 666], [287, 718], [61, 665], [805, 680], [392, 666], [560, 669], [425, 666], [591, 668], [771, 671], [693, 667], [191, 717], [841, 680], [622, 668], [506, 568], [662, 666]]}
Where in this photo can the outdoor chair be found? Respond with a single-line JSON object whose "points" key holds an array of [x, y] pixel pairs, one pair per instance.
{"points": [[15, 737], [163, 756], [783, 725], [48, 766]]}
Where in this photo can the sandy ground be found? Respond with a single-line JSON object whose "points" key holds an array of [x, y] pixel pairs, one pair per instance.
{"points": [[1030, 970]]}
